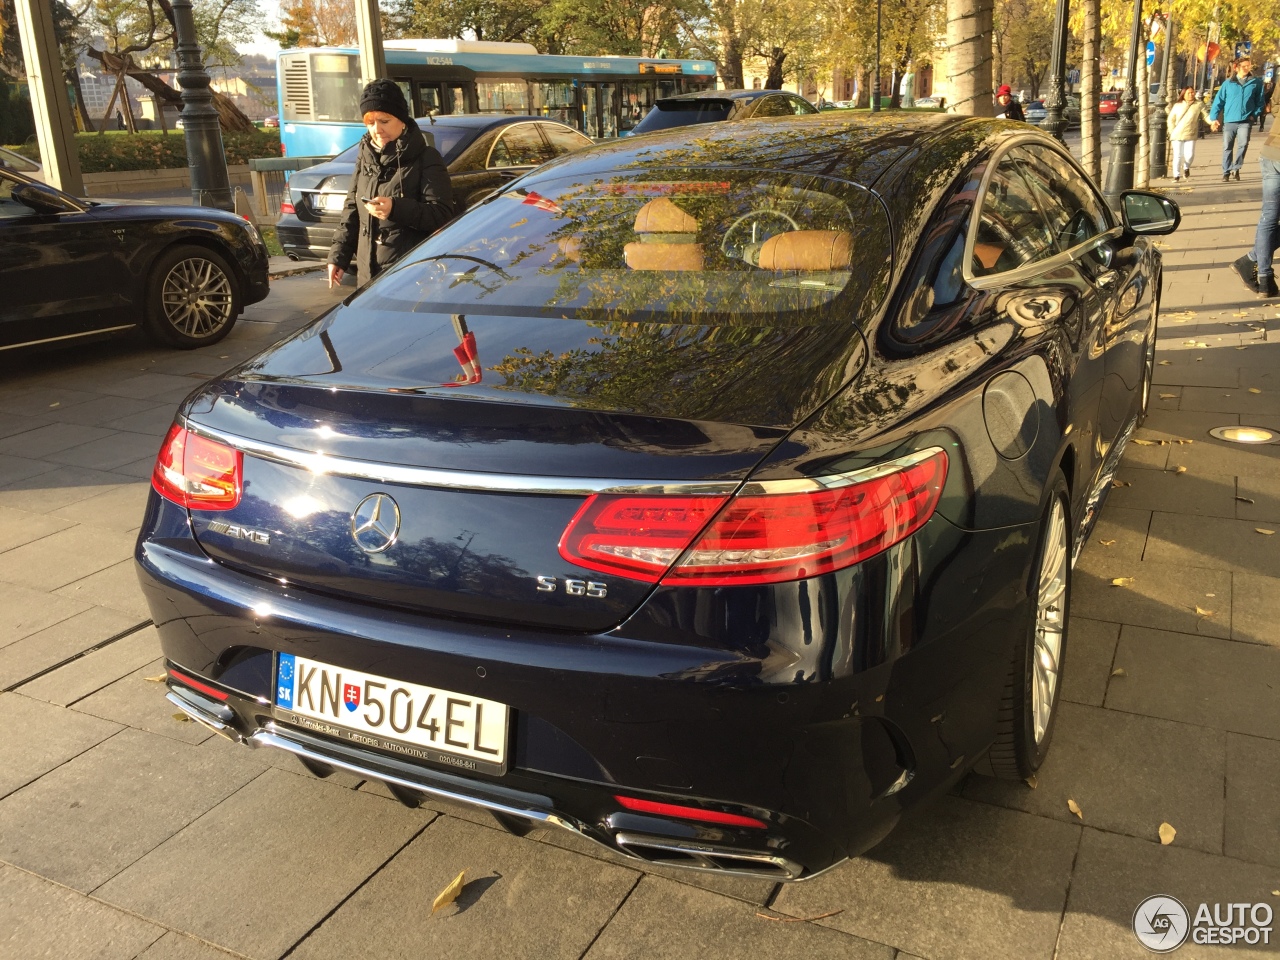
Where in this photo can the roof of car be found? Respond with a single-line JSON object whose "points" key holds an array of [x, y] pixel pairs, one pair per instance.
{"points": [[476, 119], [861, 148], [724, 95]]}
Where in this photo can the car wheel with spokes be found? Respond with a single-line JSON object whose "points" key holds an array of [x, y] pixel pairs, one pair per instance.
{"points": [[193, 298], [1034, 685]]}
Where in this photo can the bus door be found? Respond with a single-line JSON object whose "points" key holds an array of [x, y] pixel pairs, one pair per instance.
{"points": [[636, 100], [589, 110], [458, 99]]}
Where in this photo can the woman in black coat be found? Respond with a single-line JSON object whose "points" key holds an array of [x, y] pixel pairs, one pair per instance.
{"points": [[400, 191]]}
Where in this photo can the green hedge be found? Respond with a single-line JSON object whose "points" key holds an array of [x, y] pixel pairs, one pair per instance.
{"points": [[16, 122], [155, 151]]}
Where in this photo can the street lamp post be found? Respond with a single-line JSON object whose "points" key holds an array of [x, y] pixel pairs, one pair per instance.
{"points": [[1159, 132], [1124, 138], [210, 184], [875, 82], [1055, 120]]}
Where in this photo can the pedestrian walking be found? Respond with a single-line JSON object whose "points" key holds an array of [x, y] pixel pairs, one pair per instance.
{"points": [[1184, 130], [1237, 105], [1256, 267], [1008, 108], [400, 191]]}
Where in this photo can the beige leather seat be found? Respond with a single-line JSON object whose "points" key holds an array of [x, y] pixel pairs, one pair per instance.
{"points": [[667, 239], [807, 250]]}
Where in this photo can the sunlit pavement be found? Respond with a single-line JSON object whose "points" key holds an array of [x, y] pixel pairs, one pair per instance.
{"points": [[126, 833]]}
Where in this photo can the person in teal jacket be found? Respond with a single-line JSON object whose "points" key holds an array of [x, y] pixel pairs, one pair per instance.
{"points": [[1234, 111]]}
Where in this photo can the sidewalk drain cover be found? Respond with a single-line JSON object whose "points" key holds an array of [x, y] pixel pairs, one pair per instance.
{"points": [[1243, 434]]}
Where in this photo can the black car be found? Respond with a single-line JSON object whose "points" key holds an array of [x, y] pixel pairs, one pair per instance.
{"points": [[482, 152], [685, 494], [712, 106], [76, 268]]}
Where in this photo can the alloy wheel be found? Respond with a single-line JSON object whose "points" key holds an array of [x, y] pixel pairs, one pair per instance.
{"points": [[197, 297], [1050, 620]]}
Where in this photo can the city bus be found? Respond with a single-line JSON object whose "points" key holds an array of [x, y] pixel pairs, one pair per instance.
{"points": [[602, 96]]}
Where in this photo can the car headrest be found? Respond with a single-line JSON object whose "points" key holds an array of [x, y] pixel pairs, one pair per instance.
{"points": [[663, 256], [807, 250], [663, 216]]}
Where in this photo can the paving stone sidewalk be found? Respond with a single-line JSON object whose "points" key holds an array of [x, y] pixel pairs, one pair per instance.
{"points": [[125, 833]]}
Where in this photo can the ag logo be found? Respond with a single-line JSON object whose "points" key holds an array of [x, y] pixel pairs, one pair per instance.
{"points": [[1161, 924]]}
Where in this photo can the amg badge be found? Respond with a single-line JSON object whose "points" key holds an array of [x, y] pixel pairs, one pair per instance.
{"points": [[239, 533]]}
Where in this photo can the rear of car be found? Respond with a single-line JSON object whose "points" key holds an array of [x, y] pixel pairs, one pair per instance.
{"points": [[510, 526]]}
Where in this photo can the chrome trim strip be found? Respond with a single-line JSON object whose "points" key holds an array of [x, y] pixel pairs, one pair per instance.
{"points": [[69, 336], [269, 738], [198, 715], [323, 463], [702, 852]]}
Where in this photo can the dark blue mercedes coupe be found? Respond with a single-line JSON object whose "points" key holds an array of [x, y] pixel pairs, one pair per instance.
{"points": [[713, 497]]}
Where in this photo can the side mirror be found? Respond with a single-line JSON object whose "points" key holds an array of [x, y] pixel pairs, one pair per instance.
{"points": [[41, 198], [1148, 213]]}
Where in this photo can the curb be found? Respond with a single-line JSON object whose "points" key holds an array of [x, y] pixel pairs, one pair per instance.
{"points": [[291, 268]]}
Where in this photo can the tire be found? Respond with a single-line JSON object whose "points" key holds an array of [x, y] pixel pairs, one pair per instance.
{"points": [[193, 298], [1029, 704]]}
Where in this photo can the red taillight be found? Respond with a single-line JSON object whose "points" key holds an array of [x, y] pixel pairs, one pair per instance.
{"points": [[689, 813], [195, 684], [197, 472], [755, 538], [286, 206]]}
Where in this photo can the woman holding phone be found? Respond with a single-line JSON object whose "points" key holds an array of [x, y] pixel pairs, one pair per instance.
{"points": [[400, 191]]}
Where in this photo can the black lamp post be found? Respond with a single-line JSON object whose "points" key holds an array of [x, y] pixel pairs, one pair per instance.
{"points": [[1055, 120], [875, 82], [210, 185], [1159, 118], [1124, 138]]}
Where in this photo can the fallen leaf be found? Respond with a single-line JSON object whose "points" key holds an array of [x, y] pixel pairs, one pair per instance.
{"points": [[1121, 483], [1167, 833], [1122, 581], [1143, 443], [1264, 531], [1275, 893], [1118, 672], [1202, 612], [1254, 390], [1032, 781], [1075, 808], [1107, 543], [182, 718], [1166, 363], [821, 916], [1179, 469], [1168, 396], [1245, 499], [449, 893], [160, 679], [56, 403], [1181, 442], [1210, 594]]}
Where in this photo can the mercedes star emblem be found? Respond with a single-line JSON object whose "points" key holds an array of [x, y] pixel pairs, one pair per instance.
{"points": [[375, 523]]}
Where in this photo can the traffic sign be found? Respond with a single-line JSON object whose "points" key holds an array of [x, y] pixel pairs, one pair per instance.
{"points": [[1151, 52]]}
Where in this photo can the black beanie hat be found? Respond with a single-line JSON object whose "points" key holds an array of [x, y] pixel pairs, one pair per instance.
{"points": [[385, 96]]}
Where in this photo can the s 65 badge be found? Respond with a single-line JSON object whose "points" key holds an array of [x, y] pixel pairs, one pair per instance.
{"points": [[574, 588]]}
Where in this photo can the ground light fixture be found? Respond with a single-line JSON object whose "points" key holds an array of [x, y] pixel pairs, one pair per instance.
{"points": [[1243, 434]]}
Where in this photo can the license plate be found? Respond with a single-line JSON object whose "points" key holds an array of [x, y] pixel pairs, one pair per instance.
{"points": [[425, 723], [333, 202]]}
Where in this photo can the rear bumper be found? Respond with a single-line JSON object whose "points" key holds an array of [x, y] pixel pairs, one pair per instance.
{"points": [[303, 240], [828, 764]]}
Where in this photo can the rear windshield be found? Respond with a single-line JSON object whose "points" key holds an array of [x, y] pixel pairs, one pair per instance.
{"points": [[678, 246], [679, 113]]}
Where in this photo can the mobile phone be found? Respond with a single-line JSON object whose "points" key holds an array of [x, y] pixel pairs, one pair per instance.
{"points": [[366, 200]]}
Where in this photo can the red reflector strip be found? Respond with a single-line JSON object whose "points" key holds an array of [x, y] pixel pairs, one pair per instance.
{"points": [[195, 684], [690, 813], [286, 206]]}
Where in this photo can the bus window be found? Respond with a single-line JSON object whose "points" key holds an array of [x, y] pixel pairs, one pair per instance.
{"points": [[667, 88], [637, 101], [553, 100], [428, 100], [590, 110], [608, 110], [456, 99], [335, 86], [502, 96]]}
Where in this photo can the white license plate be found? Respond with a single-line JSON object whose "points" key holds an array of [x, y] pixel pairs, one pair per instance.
{"points": [[333, 202], [425, 723]]}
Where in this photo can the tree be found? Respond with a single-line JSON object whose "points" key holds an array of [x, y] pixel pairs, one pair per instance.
{"points": [[968, 61], [1024, 29], [316, 23]]}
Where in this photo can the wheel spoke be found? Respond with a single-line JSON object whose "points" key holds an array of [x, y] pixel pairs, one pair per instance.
{"points": [[1049, 619], [197, 298]]}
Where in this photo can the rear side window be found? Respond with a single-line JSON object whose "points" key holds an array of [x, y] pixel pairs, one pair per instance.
{"points": [[520, 145], [1012, 232], [773, 107], [1075, 214], [801, 107], [563, 140]]}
